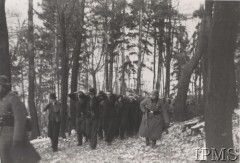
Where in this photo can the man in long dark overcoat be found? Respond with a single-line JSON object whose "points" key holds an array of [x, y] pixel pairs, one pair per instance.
{"points": [[54, 120], [122, 116], [110, 118], [135, 115], [102, 106], [14, 144], [154, 119], [92, 118]]}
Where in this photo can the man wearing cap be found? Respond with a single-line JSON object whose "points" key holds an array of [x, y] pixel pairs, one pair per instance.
{"points": [[154, 118], [102, 106], [14, 144], [54, 117], [81, 105], [110, 117], [92, 116], [135, 115]]}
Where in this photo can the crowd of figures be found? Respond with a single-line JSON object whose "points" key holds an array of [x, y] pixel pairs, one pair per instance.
{"points": [[107, 116], [104, 115]]}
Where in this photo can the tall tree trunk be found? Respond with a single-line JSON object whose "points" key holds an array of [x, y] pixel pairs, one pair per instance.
{"points": [[75, 67], [5, 65], [208, 19], [64, 70], [221, 86], [105, 39], [139, 72], [160, 50], [185, 76], [123, 89], [87, 75], [169, 53], [154, 58], [31, 76], [94, 80], [200, 88], [56, 58], [111, 48], [195, 86], [110, 77], [23, 89]]}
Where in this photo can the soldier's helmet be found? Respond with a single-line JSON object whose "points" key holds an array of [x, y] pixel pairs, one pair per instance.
{"points": [[4, 80]]}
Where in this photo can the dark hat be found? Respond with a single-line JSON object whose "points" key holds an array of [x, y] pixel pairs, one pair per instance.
{"points": [[92, 91], [4, 80], [78, 92], [101, 93], [109, 91], [52, 96]]}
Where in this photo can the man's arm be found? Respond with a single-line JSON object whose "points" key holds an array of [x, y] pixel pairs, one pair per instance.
{"points": [[46, 107], [143, 105], [57, 107]]}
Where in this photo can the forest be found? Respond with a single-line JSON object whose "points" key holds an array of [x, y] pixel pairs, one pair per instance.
{"points": [[127, 47]]}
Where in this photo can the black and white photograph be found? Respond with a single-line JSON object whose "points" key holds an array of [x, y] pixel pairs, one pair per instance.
{"points": [[119, 81]]}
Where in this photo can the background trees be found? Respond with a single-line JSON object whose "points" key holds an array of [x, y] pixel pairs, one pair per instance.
{"points": [[31, 76], [4, 45], [123, 46]]}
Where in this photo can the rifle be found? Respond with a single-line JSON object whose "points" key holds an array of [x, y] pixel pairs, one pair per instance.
{"points": [[147, 118]]}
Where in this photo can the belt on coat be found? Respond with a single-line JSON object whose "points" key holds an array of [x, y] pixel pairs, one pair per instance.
{"points": [[156, 112]]}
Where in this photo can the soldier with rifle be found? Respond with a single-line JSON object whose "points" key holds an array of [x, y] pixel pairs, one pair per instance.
{"points": [[154, 119]]}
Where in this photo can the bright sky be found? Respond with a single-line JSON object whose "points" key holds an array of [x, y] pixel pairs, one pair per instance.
{"points": [[21, 6]]}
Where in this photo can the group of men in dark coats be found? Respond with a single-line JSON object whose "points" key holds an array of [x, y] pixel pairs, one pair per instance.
{"points": [[105, 115]]}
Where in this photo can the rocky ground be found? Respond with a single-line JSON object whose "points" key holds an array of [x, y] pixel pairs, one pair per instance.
{"points": [[177, 146]]}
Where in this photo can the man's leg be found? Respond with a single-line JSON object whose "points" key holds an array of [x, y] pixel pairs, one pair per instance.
{"points": [[94, 130], [112, 130], [56, 135], [79, 132], [88, 129], [154, 143], [50, 132], [147, 142], [100, 128]]}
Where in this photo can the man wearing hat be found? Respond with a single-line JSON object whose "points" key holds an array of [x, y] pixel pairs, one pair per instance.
{"points": [[14, 144], [81, 105], [92, 116], [154, 119], [102, 106], [54, 119], [110, 117]]}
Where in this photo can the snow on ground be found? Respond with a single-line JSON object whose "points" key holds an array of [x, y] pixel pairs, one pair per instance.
{"points": [[177, 146]]}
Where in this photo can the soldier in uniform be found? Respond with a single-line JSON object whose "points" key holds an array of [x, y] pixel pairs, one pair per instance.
{"points": [[54, 117], [154, 119], [14, 144]]}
